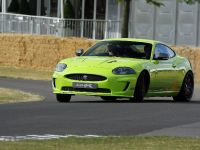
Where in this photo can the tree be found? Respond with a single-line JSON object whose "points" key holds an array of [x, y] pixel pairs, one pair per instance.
{"points": [[126, 4], [68, 10], [189, 1]]}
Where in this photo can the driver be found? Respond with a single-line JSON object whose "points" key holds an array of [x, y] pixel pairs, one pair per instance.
{"points": [[112, 50], [147, 51]]}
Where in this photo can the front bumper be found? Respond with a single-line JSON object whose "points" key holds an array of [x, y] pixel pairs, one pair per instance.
{"points": [[114, 85]]}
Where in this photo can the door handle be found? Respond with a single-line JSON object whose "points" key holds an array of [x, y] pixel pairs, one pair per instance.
{"points": [[174, 65]]}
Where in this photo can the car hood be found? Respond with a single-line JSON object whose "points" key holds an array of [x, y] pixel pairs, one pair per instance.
{"points": [[102, 62]]}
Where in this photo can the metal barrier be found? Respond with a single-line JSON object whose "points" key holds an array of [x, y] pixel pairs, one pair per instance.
{"points": [[24, 24]]}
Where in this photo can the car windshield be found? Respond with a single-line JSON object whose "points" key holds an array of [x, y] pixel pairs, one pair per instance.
{"points": [[126, 49]]}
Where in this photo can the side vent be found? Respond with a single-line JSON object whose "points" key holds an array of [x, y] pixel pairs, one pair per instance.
{"points": [[54, 82], [126, 87]]}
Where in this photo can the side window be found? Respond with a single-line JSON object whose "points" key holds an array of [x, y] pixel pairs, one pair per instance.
{"points": [[160, 48]]}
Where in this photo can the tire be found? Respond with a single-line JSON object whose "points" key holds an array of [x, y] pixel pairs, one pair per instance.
{"points": [[187, 89], [140, 89], [109, 98], [63, 98]]}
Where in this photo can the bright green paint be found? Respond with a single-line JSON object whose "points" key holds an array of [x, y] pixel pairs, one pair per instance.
{"points": [[164, 79]]}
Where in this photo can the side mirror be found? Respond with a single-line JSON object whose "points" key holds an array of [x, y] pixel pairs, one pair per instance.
{"points": [[79, 52], [162, 56]]}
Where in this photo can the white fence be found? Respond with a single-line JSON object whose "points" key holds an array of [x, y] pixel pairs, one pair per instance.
{"points": [[175, 23], [24, 24]]}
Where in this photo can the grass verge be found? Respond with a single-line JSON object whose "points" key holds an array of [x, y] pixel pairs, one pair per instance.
{"points": [[106, 143], [15, 96], [25, 73]]}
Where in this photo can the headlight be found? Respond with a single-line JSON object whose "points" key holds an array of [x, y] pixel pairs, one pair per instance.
{"points": [[61, 67], [123, 70]]}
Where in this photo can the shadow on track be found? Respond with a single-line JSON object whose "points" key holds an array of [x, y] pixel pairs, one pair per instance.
{"points": [[145, 101]]}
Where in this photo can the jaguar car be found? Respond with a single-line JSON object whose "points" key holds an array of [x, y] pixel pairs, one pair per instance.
{"points": [[124, 68]]}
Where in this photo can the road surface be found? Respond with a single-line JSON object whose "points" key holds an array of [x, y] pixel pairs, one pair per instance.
{"points": [[92, 116]]}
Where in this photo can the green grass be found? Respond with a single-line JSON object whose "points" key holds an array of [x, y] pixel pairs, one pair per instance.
{"points": [[106, 143], [25, 73], [15, 96]]}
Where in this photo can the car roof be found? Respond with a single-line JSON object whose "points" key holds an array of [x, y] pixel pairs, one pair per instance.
{"points": [[133, 40]]}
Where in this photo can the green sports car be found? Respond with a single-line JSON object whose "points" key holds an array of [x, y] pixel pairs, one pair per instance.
{"points": [[124, 68]]}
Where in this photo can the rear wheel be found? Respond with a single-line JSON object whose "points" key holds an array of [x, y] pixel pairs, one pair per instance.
{"points": [[63, 98], [187, 89], [140, 88], [108, 98]]}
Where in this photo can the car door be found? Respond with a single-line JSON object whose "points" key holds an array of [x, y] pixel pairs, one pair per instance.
{"points": [[164, 69]]}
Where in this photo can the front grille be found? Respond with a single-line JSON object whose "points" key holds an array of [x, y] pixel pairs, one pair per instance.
{"points": [[99, 90], [85, 77]]}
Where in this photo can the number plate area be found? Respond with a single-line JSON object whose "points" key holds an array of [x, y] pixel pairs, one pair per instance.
{"points": [[79, 85]]}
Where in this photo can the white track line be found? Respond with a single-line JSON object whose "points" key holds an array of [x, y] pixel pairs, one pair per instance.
{"points": [[43, 137]]}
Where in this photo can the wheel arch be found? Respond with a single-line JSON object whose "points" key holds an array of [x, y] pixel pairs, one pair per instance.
{"points": [[147, 78]]}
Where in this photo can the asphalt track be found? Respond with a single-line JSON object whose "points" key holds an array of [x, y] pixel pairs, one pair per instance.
{"points": [[92, 116]]}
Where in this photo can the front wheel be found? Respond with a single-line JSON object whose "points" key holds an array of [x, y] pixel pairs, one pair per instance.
{"points": [[140, 89], [187, 89], [63, 98]]}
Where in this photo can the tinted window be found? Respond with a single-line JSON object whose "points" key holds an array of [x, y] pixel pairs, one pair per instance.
{"points": [[160, 48], [121, 49]]}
